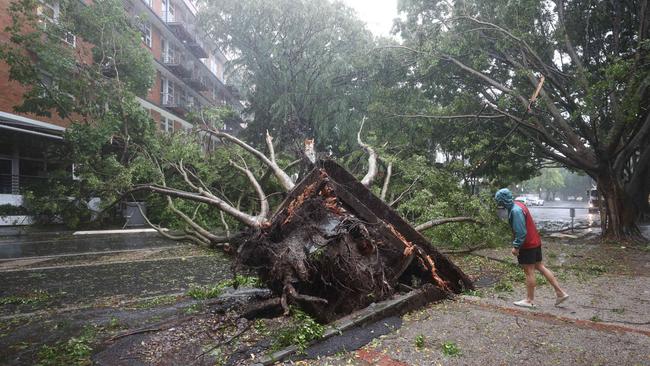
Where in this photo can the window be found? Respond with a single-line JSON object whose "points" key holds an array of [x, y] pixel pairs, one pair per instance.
{"points": [[146, 33], [167, 124], [168, 52], [70, 39], [166, 92], [168, 11]]}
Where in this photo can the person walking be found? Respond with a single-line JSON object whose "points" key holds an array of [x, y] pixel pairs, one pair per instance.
{"points": [[527, 247]]}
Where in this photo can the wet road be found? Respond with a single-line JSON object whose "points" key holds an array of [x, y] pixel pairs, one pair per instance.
{"points": [[46, 271], [559, 211], [55, 245]]}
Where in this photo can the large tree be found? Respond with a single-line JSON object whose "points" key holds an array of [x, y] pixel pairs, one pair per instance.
{"points": [[300, 65], [590, 59]]}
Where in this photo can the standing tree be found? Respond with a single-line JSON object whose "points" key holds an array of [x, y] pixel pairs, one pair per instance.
{"points": [[300, 63], [591, 114]]}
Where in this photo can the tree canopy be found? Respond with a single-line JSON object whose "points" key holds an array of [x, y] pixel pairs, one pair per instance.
{"points": [[300, 63], [487, 58]]}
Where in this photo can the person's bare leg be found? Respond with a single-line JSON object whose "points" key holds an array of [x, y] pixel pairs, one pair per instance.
{"points": [[550, 277], [529, 270]]}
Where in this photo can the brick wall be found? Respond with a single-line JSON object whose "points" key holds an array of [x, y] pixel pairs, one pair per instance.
{"points": [[11, 92]]}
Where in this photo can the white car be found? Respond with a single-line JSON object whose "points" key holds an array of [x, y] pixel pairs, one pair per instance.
{"points": [[523, 199], [536, 201], [530, 201]]}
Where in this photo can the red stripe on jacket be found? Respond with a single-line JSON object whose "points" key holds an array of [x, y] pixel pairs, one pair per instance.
{"points": [[533, 239]]}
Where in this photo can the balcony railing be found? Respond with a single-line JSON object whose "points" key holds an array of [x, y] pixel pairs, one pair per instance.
{"points": [[197, 49], [175, 104], [197, 82], [178, 65], [17, 184], [186, 33]]}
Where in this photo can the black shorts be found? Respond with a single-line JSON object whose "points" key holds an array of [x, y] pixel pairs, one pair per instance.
{"points": [[530, 256]]}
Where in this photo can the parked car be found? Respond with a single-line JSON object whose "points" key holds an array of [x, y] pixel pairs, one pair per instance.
{"points": [[523, 199], [536, 201]]}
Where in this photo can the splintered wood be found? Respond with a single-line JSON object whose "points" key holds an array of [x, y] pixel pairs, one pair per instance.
{"points": [[333, 247]]}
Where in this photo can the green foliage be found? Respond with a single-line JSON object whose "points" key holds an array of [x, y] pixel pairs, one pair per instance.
{"points": [[156, 301], [302, 330], [301, 64], [484, 59], [209, 292], [33, 297], [9, 210], [76, 351], [437, 194], [419, 341], [450, 349]]}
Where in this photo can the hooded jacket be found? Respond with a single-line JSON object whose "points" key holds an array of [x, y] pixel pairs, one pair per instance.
{"points": [[521, 221]]}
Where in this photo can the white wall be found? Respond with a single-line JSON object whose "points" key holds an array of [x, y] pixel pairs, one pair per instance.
{"points": [[11, 199]]}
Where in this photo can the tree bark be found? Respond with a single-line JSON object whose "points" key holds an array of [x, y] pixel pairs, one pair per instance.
{"points": [[618, 211]]}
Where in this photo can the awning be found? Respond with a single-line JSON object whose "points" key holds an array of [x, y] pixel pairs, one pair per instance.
{"points": [[14, 122]]}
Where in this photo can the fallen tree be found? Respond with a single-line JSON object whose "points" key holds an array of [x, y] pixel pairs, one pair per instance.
{"points": [[331, 246]]}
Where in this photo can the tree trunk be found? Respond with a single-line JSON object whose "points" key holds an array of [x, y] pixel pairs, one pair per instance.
{"points": [[618, 211], [333, 247]]}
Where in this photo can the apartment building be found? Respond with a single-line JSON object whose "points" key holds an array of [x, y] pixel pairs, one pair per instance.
{"points": [[189, 76]]}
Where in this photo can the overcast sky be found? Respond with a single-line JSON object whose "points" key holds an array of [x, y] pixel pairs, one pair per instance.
{"points": [[378, 14]]}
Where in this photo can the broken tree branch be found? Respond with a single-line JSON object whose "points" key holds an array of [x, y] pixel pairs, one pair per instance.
{"points": [[372, 158], [281, 175], [438, 222], [384, 188], [407, 190], [264, 203]]}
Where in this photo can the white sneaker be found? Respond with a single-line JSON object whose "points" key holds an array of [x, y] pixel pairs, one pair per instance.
{"points": [[561, 299], [524, 304]]}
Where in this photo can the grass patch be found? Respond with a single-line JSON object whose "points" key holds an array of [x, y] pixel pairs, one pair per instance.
{"points": [[504, 286], [156, 301], [193, 309], [477, 293], [618, 311], [450, 349], [76, 351], [34, 297], [210, 292], [302, 330], [596, 319]]}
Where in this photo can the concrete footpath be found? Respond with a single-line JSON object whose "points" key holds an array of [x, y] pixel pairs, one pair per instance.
{"points": [[606, 321]]}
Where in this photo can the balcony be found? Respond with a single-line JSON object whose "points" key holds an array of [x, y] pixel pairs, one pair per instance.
{"points": [[177, 65], [176, 105], [186, 33], [197, 49], [197, 83]]}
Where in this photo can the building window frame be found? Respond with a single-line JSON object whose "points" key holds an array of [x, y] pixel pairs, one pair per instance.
{"points": [[166, 91], [167, 124], [146, 34], [168, 52], [168, 11]]}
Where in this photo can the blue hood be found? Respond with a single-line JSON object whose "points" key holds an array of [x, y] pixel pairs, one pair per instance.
{"points": [[504, 197]]}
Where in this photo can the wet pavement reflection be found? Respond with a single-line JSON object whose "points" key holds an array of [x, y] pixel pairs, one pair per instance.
{"points": [[37, 245]]}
